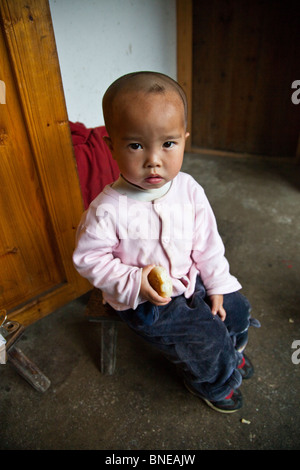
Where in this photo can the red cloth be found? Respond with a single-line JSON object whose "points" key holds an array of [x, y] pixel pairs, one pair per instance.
{"points": [[96, 167]]}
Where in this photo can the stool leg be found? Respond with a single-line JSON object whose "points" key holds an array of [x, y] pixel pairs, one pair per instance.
{"points": [[108, 347], [27, 369]]}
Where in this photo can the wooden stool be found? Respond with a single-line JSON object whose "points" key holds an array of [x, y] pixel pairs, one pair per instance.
{"points": [[97, 311]]}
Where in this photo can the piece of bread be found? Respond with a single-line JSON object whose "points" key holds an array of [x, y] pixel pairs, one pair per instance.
{"points": [[160, 281]]}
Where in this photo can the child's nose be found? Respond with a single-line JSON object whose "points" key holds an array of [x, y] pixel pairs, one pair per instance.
{"points": [[153, 160]]}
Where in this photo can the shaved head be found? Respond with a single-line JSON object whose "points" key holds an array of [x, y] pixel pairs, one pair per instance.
{"points": [[136, 82]]}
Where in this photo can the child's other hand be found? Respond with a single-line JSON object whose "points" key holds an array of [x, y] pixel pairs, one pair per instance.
{"points": [[147, 292], [217, 306]]}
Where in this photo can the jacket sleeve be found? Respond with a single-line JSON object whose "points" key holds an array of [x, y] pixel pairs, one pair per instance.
{"points": [[209, 252], [94, 260]]}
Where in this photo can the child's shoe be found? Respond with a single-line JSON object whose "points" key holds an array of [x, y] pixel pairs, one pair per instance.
{"points": [[246, 368], [233, 402]]}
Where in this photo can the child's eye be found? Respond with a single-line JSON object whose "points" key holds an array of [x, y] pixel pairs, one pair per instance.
{"points": [[169, 144], [135, 146]]}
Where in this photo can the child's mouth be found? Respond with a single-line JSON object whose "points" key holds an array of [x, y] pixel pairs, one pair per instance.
{"points": [[154, 179]]}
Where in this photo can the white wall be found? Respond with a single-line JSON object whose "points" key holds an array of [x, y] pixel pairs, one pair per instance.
{"points": [[100, 40]]}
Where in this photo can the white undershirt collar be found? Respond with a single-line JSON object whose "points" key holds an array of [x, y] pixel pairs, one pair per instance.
{"points": [[123, 186]]}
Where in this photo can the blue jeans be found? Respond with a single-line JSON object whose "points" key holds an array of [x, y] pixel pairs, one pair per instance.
{"points": [[204, 348]]}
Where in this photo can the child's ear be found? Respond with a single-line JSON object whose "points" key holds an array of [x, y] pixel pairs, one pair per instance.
{"points": [[187, 134], [108, 142]]}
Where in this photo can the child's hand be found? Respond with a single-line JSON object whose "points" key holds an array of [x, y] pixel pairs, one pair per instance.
{"points": [[147, 292], [217, 306]]}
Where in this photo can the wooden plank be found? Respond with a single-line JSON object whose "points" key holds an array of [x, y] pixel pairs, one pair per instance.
{"points": [[43, 305], [44, 191], [244, 61], [29, 263], [28, 370], [31, 43]]}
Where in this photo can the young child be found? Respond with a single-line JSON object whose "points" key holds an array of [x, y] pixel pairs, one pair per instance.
{"points": [[155, 215]]}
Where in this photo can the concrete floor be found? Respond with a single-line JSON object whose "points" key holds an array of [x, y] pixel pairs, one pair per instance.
{"points": [[144, 405]]}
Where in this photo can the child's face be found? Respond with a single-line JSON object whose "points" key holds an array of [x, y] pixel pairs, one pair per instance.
{"points": [[148, 137]]}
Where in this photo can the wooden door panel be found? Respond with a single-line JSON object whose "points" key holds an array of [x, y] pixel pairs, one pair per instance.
{"points": [[29, 263], [40, 198], [245, 58]]}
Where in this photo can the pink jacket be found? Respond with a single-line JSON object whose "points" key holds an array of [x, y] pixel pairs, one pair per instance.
{"points": [[118, 236]]}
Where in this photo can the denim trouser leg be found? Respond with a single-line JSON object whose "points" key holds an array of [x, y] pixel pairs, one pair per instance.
{"points": [[200, 344]]}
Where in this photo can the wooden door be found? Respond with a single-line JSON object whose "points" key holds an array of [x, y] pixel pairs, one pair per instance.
{"points": [[244, 59], [40, 198]]}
